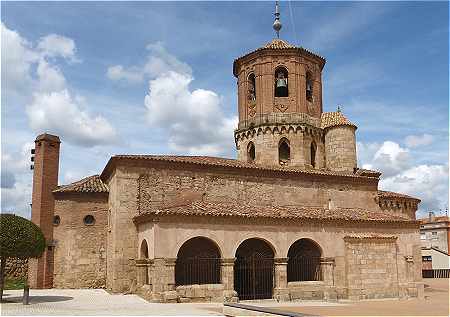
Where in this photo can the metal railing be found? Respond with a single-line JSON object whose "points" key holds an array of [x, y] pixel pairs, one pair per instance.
{"points": [[304, 268], [436, 273], [197, 270]]}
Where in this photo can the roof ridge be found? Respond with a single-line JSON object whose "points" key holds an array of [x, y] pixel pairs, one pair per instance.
{"points": [[88, 184]]}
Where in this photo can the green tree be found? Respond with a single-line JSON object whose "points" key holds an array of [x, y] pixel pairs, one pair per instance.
{"points": [[19, 238]]}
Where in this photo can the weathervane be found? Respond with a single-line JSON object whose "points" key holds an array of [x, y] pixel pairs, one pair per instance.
{"points": [[277, 24]]}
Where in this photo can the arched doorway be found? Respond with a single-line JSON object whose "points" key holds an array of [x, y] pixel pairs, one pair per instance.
{"points": [[198, 262], [304, 261], [254, 269]]}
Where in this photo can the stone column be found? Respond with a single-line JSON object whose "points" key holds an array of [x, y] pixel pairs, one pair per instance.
{"points": [[170, 274], [281, 292], [227, 279], [142, 274], [327, 266]]}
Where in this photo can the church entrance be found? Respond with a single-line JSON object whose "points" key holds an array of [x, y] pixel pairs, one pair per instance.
{"points": [[254, 270]]}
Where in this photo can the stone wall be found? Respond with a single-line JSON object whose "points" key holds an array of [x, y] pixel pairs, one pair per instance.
{"points": [[371, 267], [340, 148], [165, 187], [80, 251], [16, 268], [267, 139]]}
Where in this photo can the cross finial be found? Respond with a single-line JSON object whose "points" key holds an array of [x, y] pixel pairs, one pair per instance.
{"points": [[277, 24]]}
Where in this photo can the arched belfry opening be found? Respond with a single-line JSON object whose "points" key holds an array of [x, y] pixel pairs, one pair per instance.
{"points": [[313, 152], [198, 262], [252, 87], [254, 269], [281, 82], [304, 261], [251, 153], [284, 152], [309, 87]]}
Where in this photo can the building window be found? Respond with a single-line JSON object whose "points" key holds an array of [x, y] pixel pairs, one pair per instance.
{"points": [[89, 220], [281, 82], [434, 235], [251, 152], [309, 87], [284, 152], [56, 220], [313, 154], [251, 87], [426, 258], [423, 236]]}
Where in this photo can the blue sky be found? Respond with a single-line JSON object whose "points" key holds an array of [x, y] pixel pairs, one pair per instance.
{"points": [[84, 71]]}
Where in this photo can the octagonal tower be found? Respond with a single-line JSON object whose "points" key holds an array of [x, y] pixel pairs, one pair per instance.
{"points": [[280, 106]]}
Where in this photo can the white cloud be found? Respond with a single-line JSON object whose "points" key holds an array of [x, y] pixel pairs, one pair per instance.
{"points": [[132, 75], [52, 107], [389, 158], [418, 140], [54, 45], [193, 119], [401, 174], [58, 113], [427, 182], [17, 58]]}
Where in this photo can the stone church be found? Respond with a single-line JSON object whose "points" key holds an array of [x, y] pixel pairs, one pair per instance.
{"points": [[291, 218]]}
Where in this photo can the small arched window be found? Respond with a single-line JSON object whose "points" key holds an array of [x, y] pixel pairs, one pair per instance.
{"points": [[284, 152], [251, 154], [309, 87], [251, 87], [281, 82], [313, 153], [144, 249]]}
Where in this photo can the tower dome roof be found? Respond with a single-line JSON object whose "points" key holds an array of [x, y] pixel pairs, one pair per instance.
{"points": [[333, 119], [279, 45]]}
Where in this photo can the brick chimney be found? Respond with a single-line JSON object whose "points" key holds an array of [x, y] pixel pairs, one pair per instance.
{"points": [[45, 180]]}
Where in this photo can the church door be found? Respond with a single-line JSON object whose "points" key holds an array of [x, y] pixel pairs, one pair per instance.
{"points": [[254, 270]]}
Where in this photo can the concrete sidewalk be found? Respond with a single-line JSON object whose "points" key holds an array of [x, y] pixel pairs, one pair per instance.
{"points": [[97, 302]]}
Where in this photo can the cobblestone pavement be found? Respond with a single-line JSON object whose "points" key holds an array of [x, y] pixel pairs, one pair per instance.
{"points": [[97, 302]]}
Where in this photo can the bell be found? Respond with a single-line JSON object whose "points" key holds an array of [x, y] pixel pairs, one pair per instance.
{"points": [[281, 83]]}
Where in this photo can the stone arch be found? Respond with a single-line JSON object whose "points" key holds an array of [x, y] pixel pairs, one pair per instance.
{"points": [[304, 261], [251, 87], [284, 151], [198, 262], [253, 269]]}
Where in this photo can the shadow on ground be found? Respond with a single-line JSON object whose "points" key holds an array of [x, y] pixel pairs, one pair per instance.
{"points": [[37, 299]]}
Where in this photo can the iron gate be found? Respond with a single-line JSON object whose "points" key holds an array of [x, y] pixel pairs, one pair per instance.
{"points": [[304, 268], [253, 276]]}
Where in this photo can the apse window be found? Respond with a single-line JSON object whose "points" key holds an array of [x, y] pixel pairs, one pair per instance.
{"points": [[281, 82], [56, 220], [89, 220], [284, 152], [309, 87], [251, 152]]}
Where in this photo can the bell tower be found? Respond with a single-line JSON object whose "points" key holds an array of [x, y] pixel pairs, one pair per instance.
{"points": [[280, 105]]}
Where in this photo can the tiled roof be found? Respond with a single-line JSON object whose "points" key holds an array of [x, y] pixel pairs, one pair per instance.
{"points": [[387, 194], [278, 44], [224, 162], [201, 208], [90, 184], [332, 119], [435, 219]]}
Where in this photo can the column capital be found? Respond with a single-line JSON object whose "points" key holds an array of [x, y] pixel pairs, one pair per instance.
{"points": [[281, 261], [170, 261], [227, 261], [328, 260]]}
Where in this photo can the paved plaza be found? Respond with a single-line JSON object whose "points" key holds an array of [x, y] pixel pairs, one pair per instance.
{"points": [[100, 302]]}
